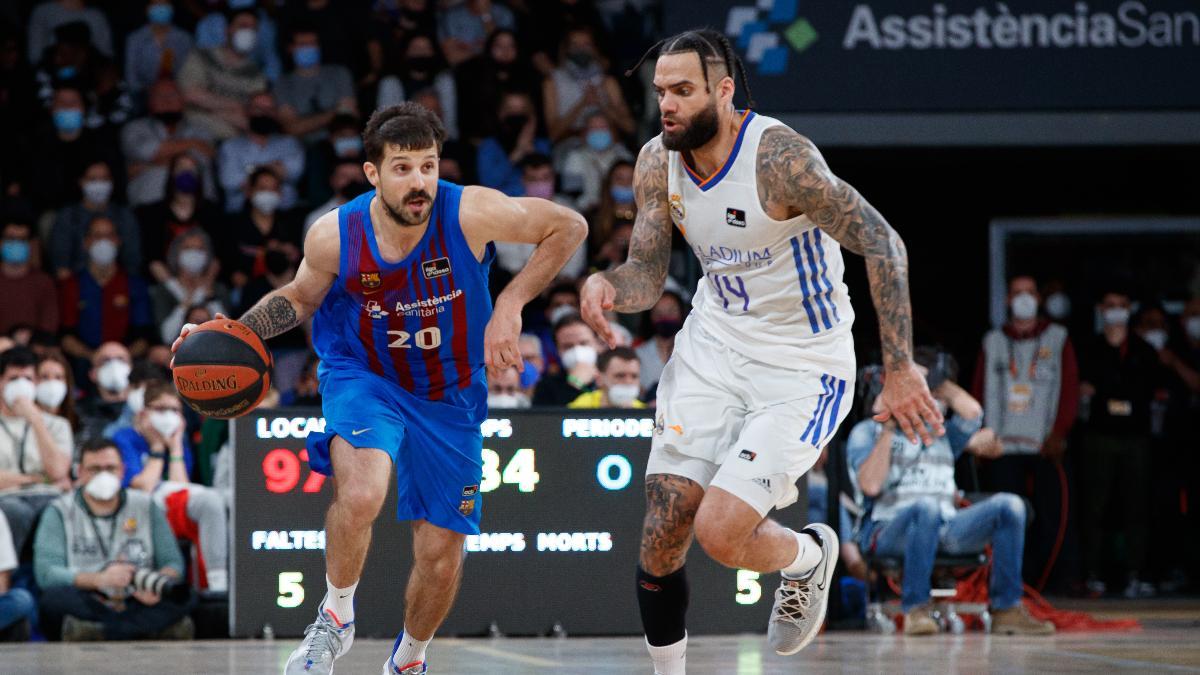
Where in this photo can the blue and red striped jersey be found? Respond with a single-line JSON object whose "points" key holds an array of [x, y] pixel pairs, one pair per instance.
{"points": [[418, 322]]}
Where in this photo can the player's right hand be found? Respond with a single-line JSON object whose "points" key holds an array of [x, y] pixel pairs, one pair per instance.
{"points": [[116, 575], [183, 332], [595, 298]]}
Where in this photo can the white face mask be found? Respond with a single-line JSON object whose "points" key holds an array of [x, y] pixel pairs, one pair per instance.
{"points": [[508, 401], [1157, 338], [266, 201], [97, 191], [165, 422], [1058, 306], [136, 400], [1192, 327], [50, 393], [622, 394], [244, 40], [113, 375], [579, 354], [1024, 306], [103, 252], [103, 486], [1116, 316], [559, 312], [193, 260], [17, 389]]}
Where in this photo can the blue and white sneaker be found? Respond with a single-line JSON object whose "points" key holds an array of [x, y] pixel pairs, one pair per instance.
{"points": [[414, 668], [324, 641]]}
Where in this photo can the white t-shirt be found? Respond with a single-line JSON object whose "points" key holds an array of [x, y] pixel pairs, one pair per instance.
{"points": [[15, 430], [8, 554]]}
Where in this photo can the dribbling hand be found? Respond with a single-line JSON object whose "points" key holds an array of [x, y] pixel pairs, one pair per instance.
{"points": [[500, 348], [183, 332], [906, 398], [595, 298]]}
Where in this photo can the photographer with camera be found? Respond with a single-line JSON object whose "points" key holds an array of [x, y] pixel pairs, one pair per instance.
{"points": [[912, 509], [106, 560]]}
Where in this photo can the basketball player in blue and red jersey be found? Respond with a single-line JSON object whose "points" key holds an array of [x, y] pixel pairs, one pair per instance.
{"points": [[397, 283]]}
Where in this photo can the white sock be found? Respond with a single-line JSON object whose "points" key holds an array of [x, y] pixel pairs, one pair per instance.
{"points": [[807, 557], [669, 659], [218, 581], [339, 602], [409, 651]]}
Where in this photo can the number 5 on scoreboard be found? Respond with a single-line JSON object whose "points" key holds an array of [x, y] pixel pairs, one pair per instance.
{"points": [[291, 589], [748, 589]]}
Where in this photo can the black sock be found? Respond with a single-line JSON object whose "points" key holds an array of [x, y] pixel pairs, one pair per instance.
{"points": [[663, 602]]}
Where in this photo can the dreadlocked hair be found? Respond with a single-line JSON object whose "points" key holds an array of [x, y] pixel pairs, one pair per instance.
{"points": [[710, 45]]}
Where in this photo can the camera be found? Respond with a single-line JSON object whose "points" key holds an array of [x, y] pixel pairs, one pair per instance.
{"points": [[169, 588]]}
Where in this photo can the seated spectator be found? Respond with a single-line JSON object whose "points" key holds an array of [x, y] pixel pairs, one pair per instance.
{"points": [[530, 346], [616, 205], [93, 547], [340, 26], [537, 180], [261, 225], [35, 446], [585, 167], [141, 374], [505, 391], [53, 13], [103, 301], [422, 68], [70, 59], [111, 365], [578, 348], [62, 151], [818, 509], [217, 80], [17, 606], [562, 299], [313, 92], [55, 393], [279, 261], [263, 145], [192, 280], [616, 382], [307, 391], [213, 31], [152, 143], [578, 89], [156, 50], [463, 29], [912, 512], [158, 460], [347, 181], [71, 224], [182, 208], [342, 143], [516, 138], [27, 294], [483, 78], [665, 319]]}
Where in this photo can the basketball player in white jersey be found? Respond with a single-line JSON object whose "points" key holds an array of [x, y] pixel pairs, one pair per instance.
{"points": [[763, 369]]}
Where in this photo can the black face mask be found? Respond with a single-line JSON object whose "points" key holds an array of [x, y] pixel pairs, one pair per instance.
{"points": [[423, 65], [667, 328], [277, 262], [169, 117], [354, 189], [264, 125], [511, 125], [580, 57]]}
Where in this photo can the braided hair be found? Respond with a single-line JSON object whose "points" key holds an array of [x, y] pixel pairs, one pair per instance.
{"points": [[711, 46]]}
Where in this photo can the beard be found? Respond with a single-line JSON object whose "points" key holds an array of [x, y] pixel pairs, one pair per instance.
{"points": [[403, 216], [696, 131]]}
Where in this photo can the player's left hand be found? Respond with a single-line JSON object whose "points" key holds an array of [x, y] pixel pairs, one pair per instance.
{"points": [[500, 341], [906, 398]]}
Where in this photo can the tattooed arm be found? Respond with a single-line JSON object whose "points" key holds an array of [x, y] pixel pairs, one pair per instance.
{"points": [[793, 179], [638, 283], [290, 305]]}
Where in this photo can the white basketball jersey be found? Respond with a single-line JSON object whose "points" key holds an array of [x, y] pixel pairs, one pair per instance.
{"points": [[772, 290]]}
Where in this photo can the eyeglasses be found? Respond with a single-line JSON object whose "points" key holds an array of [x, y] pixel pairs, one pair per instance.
{"points": [[111, 468]]}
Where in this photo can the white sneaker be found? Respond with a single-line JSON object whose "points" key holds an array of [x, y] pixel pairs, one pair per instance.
{"points": [[799, 609], [414, 669], [323, 642]]}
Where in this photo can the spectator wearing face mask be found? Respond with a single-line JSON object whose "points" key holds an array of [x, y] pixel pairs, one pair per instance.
{"points": [[313, 92], [1056, 303], [142, 373], [212, 32], [585, 167], [1119, 374], [67, 252], [152, 144], [463, 29], [27, 295], [505, 391], [578, 349], [191, 281], [537, 180], [516, 138], [49, 15], [182, 208], [664, 321], [482, 79], [530, 347], [422, 69], [111, 365], [616, 206], [158, 459], [64, 149], [262, 226], [579, 88], [347, 181], [157, 49], [93, 547], [616, 382], [275, 268], [562, 300], [217, 80], [1026, 376], [264, 145], [56, 388], [103, 301], [35, 446], [342, 142]]}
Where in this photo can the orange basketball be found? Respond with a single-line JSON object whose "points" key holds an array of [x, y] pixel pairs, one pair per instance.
{"points": [[222, 369]]}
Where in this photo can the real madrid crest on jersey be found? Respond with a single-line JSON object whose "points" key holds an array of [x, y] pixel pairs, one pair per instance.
{"points": [[677, 212]]}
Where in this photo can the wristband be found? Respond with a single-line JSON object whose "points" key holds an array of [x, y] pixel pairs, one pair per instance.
{"points": [[158, 455]]}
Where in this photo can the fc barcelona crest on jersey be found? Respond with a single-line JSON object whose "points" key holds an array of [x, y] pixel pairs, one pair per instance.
{"points": [[370, 281], [466, 507]]}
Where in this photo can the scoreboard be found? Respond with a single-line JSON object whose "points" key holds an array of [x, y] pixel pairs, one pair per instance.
{"points": [[563, 501]]}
